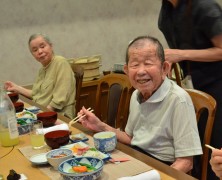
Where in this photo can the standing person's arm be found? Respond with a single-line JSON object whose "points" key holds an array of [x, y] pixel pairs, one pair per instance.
{"points": [[10, 86], [202, 55]]}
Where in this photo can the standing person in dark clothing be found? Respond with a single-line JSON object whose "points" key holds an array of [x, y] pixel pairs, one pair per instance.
{"points": [[193, 30]]}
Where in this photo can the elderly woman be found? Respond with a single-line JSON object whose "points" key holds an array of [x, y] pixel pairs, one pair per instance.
{"points": [[54, 86]]}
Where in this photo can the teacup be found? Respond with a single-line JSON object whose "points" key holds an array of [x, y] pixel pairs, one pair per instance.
{"points": [[105, 141]]}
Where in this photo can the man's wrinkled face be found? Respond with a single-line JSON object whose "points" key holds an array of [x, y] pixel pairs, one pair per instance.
{"points": [[145, 70], [41, 50]]}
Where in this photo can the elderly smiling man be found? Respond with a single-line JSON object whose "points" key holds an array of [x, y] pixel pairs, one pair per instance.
{"points": [[162, 121]]}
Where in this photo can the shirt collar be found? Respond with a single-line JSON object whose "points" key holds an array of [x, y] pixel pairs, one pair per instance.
{"points": [[46, 67]]}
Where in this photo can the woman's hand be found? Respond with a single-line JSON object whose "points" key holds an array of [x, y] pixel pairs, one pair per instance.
{"points": [[12, 87]]}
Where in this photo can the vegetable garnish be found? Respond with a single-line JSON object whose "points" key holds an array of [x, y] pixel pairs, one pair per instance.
{"points": [[79, 169]]}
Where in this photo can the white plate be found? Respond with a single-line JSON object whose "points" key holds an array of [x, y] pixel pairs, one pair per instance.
{"points": [[26, 114], [39, 159]]}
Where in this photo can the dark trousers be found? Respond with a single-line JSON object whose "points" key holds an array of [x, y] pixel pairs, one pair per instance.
{"points": [[144, 152]]}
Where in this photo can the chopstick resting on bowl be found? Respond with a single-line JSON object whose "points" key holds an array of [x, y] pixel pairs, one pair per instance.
{"points": [[76, 119]]}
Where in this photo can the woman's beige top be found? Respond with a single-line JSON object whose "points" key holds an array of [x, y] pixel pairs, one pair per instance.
{"points": [[55, 85]]}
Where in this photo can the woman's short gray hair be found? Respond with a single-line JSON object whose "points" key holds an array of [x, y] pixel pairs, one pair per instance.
{"points": [[46, 38]]}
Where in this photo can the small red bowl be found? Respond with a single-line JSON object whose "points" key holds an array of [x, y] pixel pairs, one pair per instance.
{"points": [[48, 118], [19, 106], [14, 97], [55, 139]]}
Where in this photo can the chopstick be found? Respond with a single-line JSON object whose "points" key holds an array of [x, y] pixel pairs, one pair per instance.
{"points": [[210, 147], [76, 119]]}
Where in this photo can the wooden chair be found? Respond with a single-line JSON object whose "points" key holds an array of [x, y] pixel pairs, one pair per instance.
{"points": [[203, 101], [112, 99], [177, 74], [79, 73]]}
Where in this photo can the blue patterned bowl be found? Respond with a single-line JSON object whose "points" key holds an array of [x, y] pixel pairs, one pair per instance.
{"points": [[105, 141], [57, 156], [65, 168], [24, 125]]}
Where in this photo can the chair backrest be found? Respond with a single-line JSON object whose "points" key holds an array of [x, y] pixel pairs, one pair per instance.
{"points": [[177, 74], [78, 73], [112, 99], [203, 101]]}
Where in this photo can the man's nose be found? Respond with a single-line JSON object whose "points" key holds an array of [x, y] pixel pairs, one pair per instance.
{"points": [[141, 69]]}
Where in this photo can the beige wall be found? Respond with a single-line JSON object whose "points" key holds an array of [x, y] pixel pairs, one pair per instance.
{"points": [[76, 27]]}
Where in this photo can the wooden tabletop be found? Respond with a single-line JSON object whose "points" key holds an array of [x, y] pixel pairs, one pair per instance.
{"points": [[12, 158]]}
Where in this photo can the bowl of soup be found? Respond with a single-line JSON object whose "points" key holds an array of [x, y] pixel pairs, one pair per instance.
{"points": [[48, 118], [57, 138]]}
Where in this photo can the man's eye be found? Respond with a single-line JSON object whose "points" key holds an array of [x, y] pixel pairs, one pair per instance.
{"points": [[134, 65], [148, 64]]}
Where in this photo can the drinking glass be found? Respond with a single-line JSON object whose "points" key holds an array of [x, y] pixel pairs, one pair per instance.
{"points": [[36, 135]]}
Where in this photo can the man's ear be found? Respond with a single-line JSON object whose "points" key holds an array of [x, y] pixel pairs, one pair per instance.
{"points": [[125, 69], [166, 67]]}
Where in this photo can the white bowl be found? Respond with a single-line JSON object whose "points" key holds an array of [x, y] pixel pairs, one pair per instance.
{"points": [[105, 141], [57, 156]]}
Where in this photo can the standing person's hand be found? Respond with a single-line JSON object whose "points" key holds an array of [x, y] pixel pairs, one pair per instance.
{"points": [[173, 55], [216, 162], [90, 120]]}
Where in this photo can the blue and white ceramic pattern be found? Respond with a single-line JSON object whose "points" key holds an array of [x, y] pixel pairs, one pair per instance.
{"points": [[24, 129], [105, 141], [55, 161], [66, 166]]}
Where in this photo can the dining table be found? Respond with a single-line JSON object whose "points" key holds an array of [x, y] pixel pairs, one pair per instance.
{"points": [[17, 158]]}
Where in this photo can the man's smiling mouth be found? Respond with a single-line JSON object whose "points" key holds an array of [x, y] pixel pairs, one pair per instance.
{"points": [[142, 81]]}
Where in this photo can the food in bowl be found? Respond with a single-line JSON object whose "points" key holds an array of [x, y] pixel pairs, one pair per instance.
{"points": [[57, 138], [105, 141], [24, 125], [24, 120], [81, 149], [83, 168], [57, 156], [48, 118]]}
